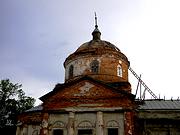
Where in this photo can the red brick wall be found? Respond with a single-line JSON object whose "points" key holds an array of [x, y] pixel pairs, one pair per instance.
{"points": [[98, 95]]}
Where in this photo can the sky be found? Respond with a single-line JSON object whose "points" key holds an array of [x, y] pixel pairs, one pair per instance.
{"points": [[37, 35]]}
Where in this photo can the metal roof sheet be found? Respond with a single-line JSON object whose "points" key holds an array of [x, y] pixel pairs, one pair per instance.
{"points": [[36, 108], [160, 105]]}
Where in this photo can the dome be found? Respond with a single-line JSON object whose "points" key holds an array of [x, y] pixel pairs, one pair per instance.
{"points": [[97, 44], [98, 47], [98, 59]]}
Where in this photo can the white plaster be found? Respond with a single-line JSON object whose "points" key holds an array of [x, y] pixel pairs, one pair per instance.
{"points": [[71, 123], [99, 123], [116, 121], [84, 89], [85, 120], [81, 65], [85, 125], [119, 71], [44, 124]]}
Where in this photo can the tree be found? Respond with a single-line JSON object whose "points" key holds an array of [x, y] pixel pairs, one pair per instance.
{"points": [[13, 101]]}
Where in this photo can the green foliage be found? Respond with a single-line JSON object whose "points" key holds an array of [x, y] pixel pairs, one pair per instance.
{"points": [[13, 101]]}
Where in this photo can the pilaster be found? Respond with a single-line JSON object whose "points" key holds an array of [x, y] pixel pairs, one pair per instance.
{"points": [[99, 123], [71, 123], [44, 124]]}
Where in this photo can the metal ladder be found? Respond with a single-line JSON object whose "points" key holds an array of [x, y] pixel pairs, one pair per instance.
{"points": [[145, 86]]}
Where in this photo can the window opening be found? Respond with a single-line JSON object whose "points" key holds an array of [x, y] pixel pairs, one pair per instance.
{"points": [[95, 66], [57, 132], [85, 132], [119, 70], [112, 131], [71, 68]]}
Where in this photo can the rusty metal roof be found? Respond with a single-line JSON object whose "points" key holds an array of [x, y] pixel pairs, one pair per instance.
{"points": [[97, 44], [160, 105]]}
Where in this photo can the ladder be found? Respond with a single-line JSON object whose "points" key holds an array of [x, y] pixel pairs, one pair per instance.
{"points": [[145, 86]]}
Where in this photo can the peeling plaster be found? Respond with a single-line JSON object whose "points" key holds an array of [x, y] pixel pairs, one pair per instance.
{"points": [[86, 87]]}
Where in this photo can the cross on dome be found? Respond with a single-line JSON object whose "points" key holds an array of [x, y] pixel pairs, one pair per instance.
{"points": [[96, 33]]}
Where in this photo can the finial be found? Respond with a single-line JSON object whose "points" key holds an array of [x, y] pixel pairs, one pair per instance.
{"points": [[96, 33], [95, 20]]}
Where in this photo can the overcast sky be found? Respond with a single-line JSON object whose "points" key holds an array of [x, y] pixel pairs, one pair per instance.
{"points": [[37, 35]]}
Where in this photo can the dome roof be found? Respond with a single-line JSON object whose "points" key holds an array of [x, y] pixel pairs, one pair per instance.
{"points": [[97, 44], [97, 47], [98, 59]]}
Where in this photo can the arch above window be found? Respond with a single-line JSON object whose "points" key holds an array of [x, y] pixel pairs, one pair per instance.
{"points": [[94, 66], [59, 124], [85, 125], [112, 124]]}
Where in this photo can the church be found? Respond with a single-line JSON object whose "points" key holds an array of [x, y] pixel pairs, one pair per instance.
{"points": [[96, 99]]}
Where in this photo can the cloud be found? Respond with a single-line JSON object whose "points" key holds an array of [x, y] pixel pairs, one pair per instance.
{"points": [[36, 36]]}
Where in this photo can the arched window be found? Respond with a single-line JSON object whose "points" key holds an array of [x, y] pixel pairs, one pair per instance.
{"points": [[85, 128], [58, 128], [94, 66], [71, 68], [119, 71], [112, 127]]}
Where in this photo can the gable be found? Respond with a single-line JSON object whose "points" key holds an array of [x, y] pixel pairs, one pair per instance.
{"points": [[86, 89], [86, 93]]}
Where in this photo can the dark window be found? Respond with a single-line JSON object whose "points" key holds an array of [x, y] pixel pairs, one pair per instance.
{"points": [[112, 131], [85, 132], [57, 132], [71, 68], [95, 66]]}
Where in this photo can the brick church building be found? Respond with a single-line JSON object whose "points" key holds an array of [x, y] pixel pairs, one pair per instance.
{"points": [[96, 99]]}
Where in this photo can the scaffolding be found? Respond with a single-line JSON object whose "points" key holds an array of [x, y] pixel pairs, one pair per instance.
{"points": [[146, 88]]}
